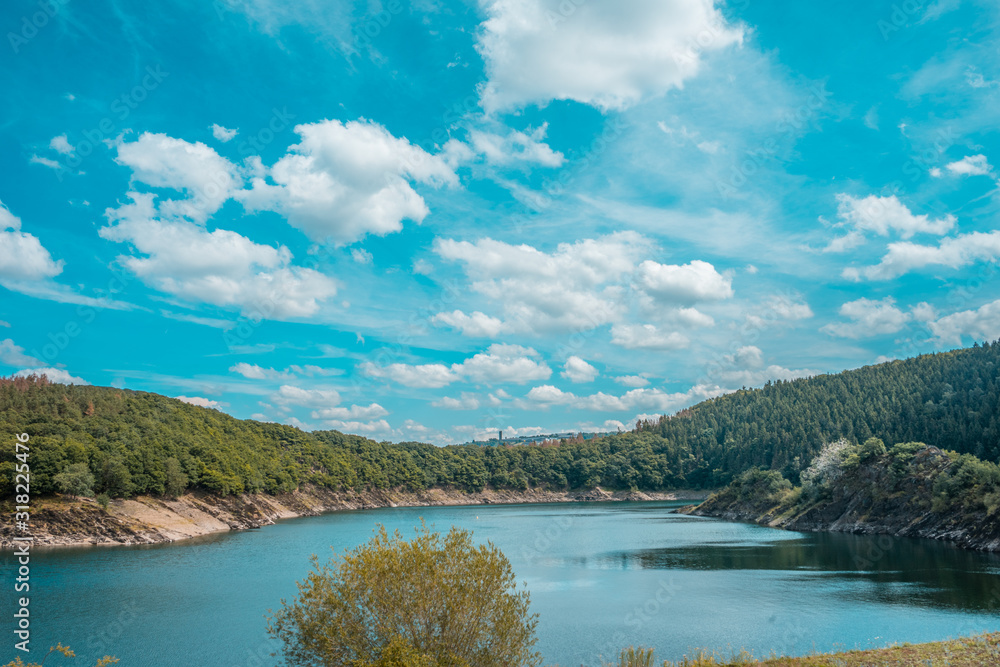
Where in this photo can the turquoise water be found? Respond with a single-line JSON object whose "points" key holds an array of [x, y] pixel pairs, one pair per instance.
{"points": [[602, 576]]}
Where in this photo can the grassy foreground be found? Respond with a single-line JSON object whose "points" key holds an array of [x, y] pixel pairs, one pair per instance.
{"points": [[965, 652]]}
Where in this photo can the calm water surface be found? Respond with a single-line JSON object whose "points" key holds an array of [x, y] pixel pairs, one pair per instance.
{"points": [[602, 576]]}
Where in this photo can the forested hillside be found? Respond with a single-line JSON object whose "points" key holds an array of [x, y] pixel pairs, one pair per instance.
{"points": [[950, 400], [131, 442]]}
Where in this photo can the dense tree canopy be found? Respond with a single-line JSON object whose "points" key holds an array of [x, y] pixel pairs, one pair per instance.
{"points": [[142, 443]]}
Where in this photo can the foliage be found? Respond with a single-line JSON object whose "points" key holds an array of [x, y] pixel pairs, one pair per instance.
{"points": [[436, 600], [65, 651], [104, 500], [75, 480], [827, 467], [130, 439], [175, 480]]}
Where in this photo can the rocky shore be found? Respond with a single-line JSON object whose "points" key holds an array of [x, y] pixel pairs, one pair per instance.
{"points": [[62, 521], [874, 499]]}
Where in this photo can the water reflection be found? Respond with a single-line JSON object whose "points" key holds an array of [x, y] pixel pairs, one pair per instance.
{"points": [[900, 570]]}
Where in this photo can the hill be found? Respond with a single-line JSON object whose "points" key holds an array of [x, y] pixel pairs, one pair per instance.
{"points": [[911, 490], [950, 400], [141, 443]]}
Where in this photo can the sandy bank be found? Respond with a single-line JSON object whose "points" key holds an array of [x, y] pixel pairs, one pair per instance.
{"points": [[63, 521]]}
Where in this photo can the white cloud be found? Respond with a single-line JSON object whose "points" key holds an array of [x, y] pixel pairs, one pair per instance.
{"points": [[223, 134], [686, 284], [869, 318], [164, 162], [976, 79], [380, 426], [477, 325], [577, 370], [747, 367], [219, 267], [971, 165], [779, 308], [373, 411], [45, 162], [22, 256], [955, 253], [200, 402], [647, 337], [634, 381], [345, 180], [546, 396], [361, 256], [576, 287], [61, 145], [515, 147], [503, 363], [982, 323], [424, 376], [13, 355], [53, 374], [466, 401], [497, 365], [882, 215], [609, 55], [290, 395], [848, 241], [255, 372]]}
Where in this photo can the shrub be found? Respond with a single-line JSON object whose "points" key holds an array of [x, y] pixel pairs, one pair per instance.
{"points": [[76, 480], [435, 600]]}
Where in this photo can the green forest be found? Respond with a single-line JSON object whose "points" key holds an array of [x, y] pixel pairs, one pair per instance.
{"points": [[102, 440]]}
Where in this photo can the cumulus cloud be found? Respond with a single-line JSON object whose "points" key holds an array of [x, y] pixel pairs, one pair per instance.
{"points": [[647, 337], [777, 309], [53, 374], [466, 401], [165, 162], [373, 411], [290, 395], [609, 55], [377, 427], [747, 367], [343, 181], [527, 147], [22, 256], [953, 253], [255, 372], [200, 402], [578, 286], [61, 145], [971, 165], [499, 364], [223, 134], [686, 284], [12, 354], [871, 318], [577, 370], [423, 376], [634, 381], [219, 267], [982, 323], [476, 325], [546, 396], [883, 215]]}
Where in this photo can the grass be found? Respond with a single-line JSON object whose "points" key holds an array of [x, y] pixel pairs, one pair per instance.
{"points": [[965, 652]]}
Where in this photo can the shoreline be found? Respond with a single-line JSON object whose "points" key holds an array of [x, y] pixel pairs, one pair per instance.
{"points": [[66, 522]]}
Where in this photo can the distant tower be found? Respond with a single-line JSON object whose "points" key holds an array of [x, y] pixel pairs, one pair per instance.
{"points": [[501, 437]]}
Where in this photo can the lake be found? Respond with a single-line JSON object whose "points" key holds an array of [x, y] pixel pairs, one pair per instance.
{"points": [[602, 576]]}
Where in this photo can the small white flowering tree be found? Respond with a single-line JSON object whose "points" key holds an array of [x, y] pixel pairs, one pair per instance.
{"points": [[827, 467]]}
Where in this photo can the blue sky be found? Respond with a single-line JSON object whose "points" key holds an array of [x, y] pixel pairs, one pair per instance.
{"points": [[432, 220]]}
